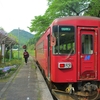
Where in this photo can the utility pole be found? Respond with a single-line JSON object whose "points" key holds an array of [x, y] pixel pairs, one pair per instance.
{"points": [[18, 43]]}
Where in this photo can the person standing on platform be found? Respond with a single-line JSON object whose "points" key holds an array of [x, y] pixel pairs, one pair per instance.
{"points": [[26, 55]]}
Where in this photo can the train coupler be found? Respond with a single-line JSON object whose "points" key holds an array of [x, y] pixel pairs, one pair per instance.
{"points": [[70, 89]]}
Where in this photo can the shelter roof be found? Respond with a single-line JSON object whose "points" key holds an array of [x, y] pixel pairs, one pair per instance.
{"points": [[4, 38]]}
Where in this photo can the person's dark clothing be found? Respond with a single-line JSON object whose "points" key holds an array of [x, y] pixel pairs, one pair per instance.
{"points": [[26, 55], [26, 59]]}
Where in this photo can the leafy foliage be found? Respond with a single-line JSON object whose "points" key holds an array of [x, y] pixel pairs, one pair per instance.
{"points": [[63, 8], [39, 24], [94, 9]]}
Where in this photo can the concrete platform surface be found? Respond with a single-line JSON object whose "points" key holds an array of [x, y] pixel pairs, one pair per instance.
{"points": [[26, 84]]}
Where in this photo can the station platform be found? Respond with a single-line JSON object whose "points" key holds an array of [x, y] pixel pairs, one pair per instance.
{"points": [[26, 83]]}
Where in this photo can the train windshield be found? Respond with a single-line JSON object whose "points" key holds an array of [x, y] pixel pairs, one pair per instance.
{"points": [[65, 39]]}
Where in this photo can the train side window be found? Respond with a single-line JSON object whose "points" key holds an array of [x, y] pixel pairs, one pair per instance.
{"points": [[87, 44]]}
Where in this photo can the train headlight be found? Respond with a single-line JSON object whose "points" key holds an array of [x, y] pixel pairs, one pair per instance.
{"points": [[64, 65]]}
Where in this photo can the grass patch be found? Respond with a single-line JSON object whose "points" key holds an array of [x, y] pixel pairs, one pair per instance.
{"points": [[13, 65]]}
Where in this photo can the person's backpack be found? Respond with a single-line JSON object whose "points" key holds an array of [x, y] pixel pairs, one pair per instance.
{"points": [[26, 54]]}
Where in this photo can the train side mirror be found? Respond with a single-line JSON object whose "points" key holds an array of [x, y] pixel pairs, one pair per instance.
{"points": [[53, 41]]}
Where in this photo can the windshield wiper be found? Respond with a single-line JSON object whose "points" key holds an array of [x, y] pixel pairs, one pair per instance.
{"points": [[71, 51]]}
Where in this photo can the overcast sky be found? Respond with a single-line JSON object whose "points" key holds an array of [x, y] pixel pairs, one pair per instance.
{"points": [[19, 13]]}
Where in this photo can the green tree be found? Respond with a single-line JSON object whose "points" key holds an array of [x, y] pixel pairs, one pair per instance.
{"points": [[94, 8], [67, 8], [39, 24], [56, 9]]}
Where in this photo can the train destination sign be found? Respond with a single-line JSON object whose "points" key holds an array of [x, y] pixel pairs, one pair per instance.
{"points": [[66, 29], [63, 28]]}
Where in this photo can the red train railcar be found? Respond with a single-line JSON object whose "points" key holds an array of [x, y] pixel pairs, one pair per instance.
{"points": [[69, 53]]}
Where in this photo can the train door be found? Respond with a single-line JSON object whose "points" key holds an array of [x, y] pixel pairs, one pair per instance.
{"points": [[87, 53], [48, 56]]}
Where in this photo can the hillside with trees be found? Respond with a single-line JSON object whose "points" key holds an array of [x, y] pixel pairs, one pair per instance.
{"points": [[22, 36]]}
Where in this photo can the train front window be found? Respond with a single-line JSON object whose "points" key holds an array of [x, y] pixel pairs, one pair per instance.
{"points": [[65, 40]]}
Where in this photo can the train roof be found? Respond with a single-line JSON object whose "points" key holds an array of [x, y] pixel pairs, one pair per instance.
{"points": [[76, 18]]}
